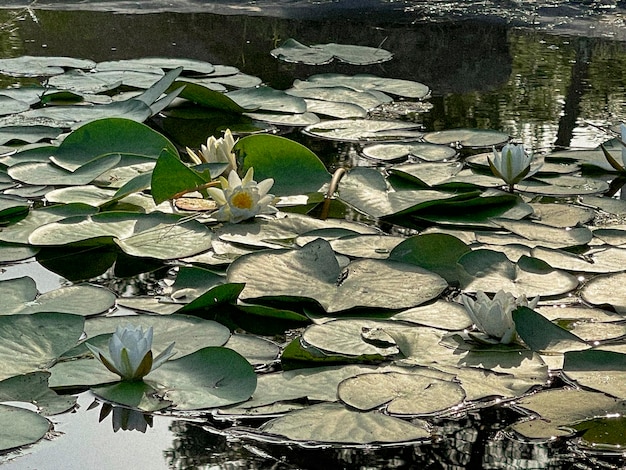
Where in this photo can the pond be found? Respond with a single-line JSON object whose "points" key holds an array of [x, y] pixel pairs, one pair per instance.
{"points": [[550, 75]]}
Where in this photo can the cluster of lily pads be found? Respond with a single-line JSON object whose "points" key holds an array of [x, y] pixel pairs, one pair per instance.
{"points": [[417, 316]]}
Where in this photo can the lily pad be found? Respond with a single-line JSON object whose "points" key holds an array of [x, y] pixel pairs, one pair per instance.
{"points": [[604, 371], [334, 423], [401, 394], [366, 82], [155, 235], [29, 66], [393, 153], [20, 427], [292, 166], [349, 337], [601, 290], [33, 388], [313, 272], [320, 54], [37, 339], [560, 410], [471, 138], [363, 130], [491, 271]]}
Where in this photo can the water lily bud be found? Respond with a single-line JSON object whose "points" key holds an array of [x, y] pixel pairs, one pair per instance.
{"points": [[511, 165], [130, 354], [217, 151]]}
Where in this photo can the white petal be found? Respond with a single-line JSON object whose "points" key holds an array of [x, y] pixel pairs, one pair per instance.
{"points": [[217, 195], [234, 180], [264, 186]]}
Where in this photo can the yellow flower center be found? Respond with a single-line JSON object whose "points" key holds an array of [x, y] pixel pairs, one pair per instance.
{"points": [[242, 200]]}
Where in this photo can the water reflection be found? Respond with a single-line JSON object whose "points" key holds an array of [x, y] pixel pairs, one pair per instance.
{"points": [[543, 89], [125, 418]]}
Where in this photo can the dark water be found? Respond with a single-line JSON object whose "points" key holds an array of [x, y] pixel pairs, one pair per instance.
{"points": [[542, 71]]}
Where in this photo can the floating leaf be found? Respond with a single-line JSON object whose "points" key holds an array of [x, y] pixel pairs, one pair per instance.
{"points": [[357, 130], [38, 340], [20, 427], [560, 410], [320, 54], [398, 152], [313, 272], [33, 388], [491, 271], [294, 168], [472, 138], [400, 393], [155, 235], [601, 290], [334, 423], [541, 335], [365, 82], [600, 370], [28, 66]]}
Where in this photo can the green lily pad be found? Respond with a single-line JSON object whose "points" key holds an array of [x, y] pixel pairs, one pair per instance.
{"points": [[292, 166], [29, 66], [541, 335], [362, 130], [313, 272], [267, 99], [436, 252], [105, 136], [365, 246], [320, 54], [70, 299], [20, 427], [47, 173], [606, 260], [208, 378], [393, 153], [363, 99], [155, 235], [350, 337], [600, 370], [313, 384], [365, 82], [613, 235], [33, 388], [401, 394], [440, 314], [36, 339], [282, 232], [334, 423], [563, 185], [471, 138], [26, 134], [10, 252], [366, 190], [552, 237], [562, 215], [560, 410], [491, 271], [602, 290]]}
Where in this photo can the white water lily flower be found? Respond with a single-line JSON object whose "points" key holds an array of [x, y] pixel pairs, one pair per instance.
{"points": [[217, 151], [130, 354], [494, 317], [240, 200], [511, 165]]}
